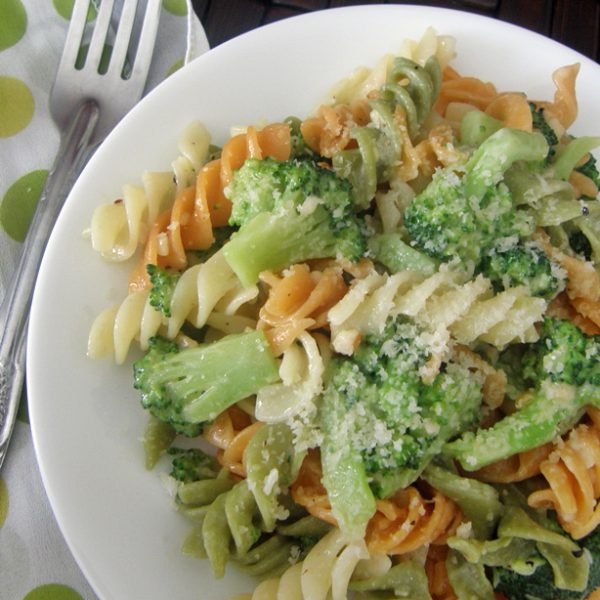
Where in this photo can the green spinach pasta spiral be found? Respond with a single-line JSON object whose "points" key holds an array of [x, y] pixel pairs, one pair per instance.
{"points": [[409, 88]]}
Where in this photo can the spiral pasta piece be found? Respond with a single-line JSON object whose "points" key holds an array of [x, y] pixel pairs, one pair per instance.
{"points": [[329, 131], [324, 573], [515, 468], [293, 401], [582, 301], [572, 472], [118, 228], [383, 148], [465, 312], [231, 433], [363, 82], [308, 490], [188, 224], [115, 329], [437, 574], [401, 524], [208, 293], [298, 300], [562, 111], [409, 521], [464, 90]]}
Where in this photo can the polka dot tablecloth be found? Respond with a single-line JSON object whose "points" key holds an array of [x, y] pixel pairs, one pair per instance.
{"points": [[35, 562]]}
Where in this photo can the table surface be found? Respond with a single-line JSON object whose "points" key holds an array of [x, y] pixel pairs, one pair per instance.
{"points": [[575, 23]]}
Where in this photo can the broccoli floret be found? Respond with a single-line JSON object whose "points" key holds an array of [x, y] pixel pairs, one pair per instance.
{"points": [[563, 370], [540, 124], [540, 584], [382, 424], [188, 387], [564, 354], [268, 184], [466, 215], [524, 264], [289, 212], [163, 283], [192, 464]]}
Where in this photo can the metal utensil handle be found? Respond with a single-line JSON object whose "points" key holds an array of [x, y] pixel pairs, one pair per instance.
{"points": [[14, 312]]}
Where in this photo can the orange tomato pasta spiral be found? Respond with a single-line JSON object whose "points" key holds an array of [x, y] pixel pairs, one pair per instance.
{"points": [[573, 474], [308, 491], [329, 130], [298, 300], [188, 224], [437, 574], [408, 521], [466, 90], [230, 433], [403, 523], [515, 468]]}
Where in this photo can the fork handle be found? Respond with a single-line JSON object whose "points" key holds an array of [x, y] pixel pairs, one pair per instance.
{"points": [[75, 148]]}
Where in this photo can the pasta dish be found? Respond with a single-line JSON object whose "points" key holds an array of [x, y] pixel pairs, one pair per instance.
{"points": [[367, 339]]}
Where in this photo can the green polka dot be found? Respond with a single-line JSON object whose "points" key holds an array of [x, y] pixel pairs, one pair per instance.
{"points": [[16, 106], [175, 67], [19, 202], [53, 591], [13, 22], [176, 7], [3, 502], [65, 7]]}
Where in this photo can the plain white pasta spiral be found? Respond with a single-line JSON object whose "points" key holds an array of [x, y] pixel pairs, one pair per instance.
{"points": [[442, 304], [206, 294], [118, 228]]}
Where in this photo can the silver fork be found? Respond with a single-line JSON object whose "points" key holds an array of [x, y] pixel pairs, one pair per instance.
{"points": [[86, 105]]}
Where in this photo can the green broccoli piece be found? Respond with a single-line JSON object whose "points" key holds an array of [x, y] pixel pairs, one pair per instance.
{"points": [[289, 212], [524, 264], [464, 216], [540, 584], [564, 354], [189, 387], [163, 284], [395, 255], [564, 371], [540, 124], [192, 464], [382, 424], [269, 184]]}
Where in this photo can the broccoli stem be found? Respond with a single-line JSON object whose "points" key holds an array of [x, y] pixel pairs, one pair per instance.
{"points": [[273, 241], [496, 154], [396, 255], [344, 474], [476, 127], [196, 384], [550, 412], [232, 369]]}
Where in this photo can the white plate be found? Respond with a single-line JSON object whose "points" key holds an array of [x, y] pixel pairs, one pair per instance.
{"points": [[85, 416]]}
